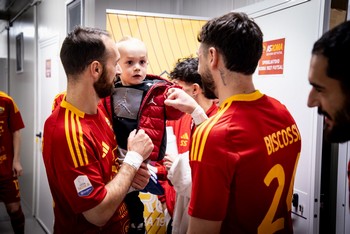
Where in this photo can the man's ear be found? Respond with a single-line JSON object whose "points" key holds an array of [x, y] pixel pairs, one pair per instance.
{"points": [[95, 68], [196, 89], [213, 57]]}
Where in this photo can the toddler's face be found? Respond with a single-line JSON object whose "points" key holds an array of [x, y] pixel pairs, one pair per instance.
{"points": [[133, 61]]}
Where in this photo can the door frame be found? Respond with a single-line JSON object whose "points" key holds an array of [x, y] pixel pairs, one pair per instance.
{"points": [[42, 44]]}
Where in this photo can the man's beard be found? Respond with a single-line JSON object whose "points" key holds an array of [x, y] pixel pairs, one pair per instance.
{"points": [[102, 87], [341, 130], [208, 84]]}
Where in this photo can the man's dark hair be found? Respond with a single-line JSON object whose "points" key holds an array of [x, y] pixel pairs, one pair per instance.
{"points": [[335, 46], [238, 38], [186, 69], [81, 47]]}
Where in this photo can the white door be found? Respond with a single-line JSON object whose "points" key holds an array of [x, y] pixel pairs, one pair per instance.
{"points": [[343, 211], [290, 29], [48, 87]]}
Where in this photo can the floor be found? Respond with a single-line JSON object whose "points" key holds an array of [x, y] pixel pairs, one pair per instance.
{"points": [[31, 225]]}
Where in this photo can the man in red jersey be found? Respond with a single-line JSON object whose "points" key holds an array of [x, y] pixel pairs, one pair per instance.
{"points": [[244, 158], [10, 165], [79, 147], [184, 74]]}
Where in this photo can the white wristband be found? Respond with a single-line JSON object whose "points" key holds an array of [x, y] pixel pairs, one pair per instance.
{"points": [[134, 159], [132, 189], [198, 115]]}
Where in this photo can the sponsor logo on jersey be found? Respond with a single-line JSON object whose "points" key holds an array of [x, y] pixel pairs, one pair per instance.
{"points": [[83, 186], [185, 136], [2, 110], [105, 149]]}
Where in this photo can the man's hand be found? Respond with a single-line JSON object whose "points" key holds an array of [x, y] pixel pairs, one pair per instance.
{"points": [[180, 100], [141, 178], [17, 169], [141, 143]]}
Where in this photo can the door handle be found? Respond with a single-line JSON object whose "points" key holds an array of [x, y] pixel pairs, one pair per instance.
{"points": [[38, 135]]}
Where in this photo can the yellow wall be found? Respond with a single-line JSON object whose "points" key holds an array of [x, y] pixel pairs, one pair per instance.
{"points": [[167, 38]]}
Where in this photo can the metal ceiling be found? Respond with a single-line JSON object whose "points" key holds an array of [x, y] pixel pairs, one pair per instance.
{"points": [[10, 8]]}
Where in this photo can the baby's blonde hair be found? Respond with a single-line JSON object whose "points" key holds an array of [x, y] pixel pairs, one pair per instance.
{"points": [[125, 39], [130, 38]]}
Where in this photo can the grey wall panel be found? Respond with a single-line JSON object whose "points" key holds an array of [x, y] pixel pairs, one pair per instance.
{"points": [[3, 75], [52, 22], [203, 8], [155, 6], [3, 57], [21, 88], [207, 9]]}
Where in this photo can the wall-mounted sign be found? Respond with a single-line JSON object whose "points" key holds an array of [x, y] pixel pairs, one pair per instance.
{"points": [[272, 59], [19, 52], [48, 68]]}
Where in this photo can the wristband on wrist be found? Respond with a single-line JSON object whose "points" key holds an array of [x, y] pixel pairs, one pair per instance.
{"points": [[198, 115], [134, 159], [131, 189]]}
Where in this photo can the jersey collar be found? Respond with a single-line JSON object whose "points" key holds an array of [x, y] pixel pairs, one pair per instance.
{"points": [[72, 108], [243, 97]]}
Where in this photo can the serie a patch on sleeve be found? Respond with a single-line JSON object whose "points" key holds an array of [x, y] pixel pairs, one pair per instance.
{"points": [[83, 186]]}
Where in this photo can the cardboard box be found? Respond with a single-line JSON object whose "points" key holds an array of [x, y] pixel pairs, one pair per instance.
{"points": [[336, 17]]}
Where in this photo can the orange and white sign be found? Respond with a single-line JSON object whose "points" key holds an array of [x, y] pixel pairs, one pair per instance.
{"points": [[272, 59]]}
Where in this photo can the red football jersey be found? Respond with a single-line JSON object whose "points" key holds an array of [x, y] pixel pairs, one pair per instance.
{"points": [[183, 131], [243, 162], [79, 156], [10, 121]]}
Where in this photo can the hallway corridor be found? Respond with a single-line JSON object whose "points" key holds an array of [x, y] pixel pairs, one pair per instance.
{"points": [[31, 225]]}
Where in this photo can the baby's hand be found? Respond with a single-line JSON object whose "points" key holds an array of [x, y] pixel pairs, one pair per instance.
{"points": [[168, 160]]}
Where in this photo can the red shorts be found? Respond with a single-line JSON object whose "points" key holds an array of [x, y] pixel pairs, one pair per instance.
{"points": [[9, 191]]}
